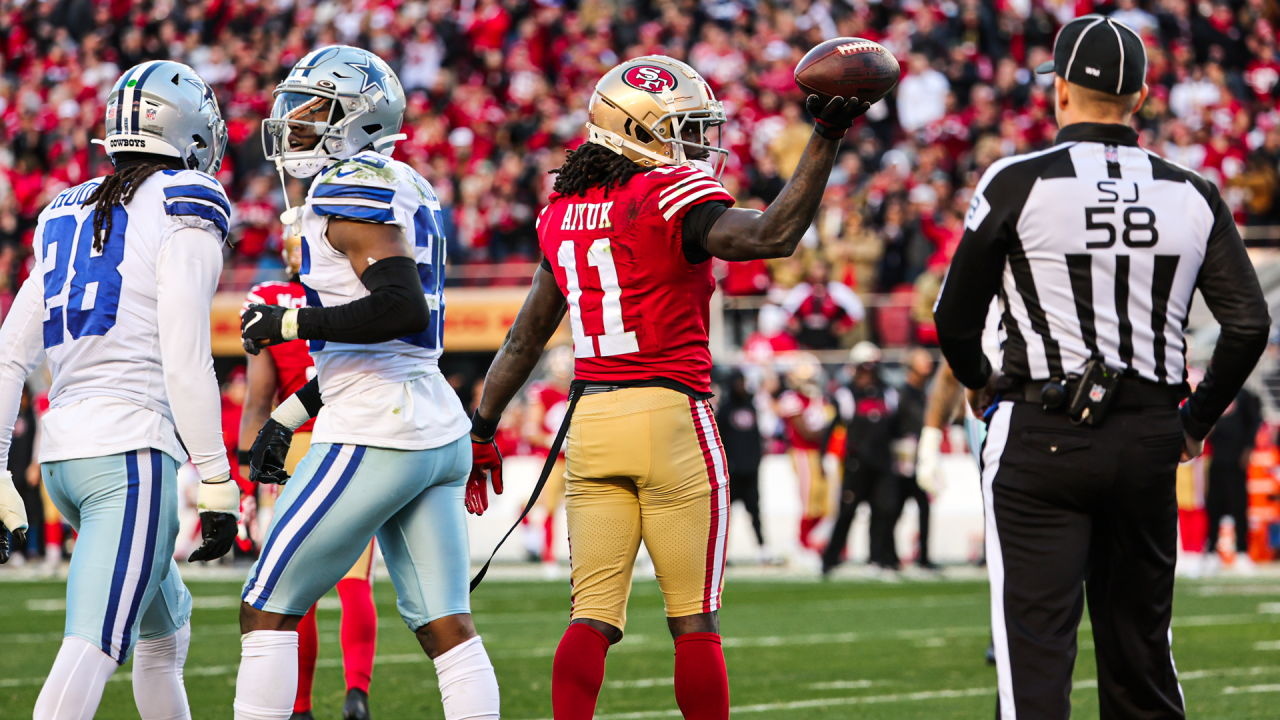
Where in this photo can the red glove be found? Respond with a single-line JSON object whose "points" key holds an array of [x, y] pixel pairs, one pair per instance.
{"points": [[486, 464]]}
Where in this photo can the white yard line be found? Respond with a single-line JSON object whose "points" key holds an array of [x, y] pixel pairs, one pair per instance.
{"points": [[1250, 689]]}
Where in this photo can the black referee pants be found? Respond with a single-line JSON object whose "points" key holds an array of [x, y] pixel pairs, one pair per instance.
{"points": [[1072, 511]]}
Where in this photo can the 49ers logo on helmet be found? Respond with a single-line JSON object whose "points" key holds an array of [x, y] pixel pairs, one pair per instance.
{"points": [[649, 78]]}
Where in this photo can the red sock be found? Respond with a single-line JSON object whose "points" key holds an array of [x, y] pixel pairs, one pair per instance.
{"points": [[359, 631], [53, 534], [702, 683], [578, 672], [307, 642], [548, 533], [807, 524]]}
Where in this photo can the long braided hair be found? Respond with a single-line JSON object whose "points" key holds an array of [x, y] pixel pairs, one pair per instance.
{"points": [[593, 165], [118, 188]]}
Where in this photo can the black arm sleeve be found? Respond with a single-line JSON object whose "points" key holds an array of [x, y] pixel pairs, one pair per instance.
{"points": [[394, 308], [309, 394], [974, 278], [697, 225], [1230, 288], [546, 265]]}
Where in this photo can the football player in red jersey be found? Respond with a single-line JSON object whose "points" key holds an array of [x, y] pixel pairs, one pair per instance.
{"points": [[273, 376], [807, 415], [627, 238], [545, 406]]}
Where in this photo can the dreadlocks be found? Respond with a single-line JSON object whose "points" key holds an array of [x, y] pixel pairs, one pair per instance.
{"points": [[593, 165], [119, 188]]}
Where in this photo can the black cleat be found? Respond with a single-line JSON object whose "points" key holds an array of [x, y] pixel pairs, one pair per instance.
{"points": [[304, 715], [357, 705]]}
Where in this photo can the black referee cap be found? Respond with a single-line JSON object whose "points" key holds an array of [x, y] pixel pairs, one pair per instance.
{"points": [[1099, 53]]}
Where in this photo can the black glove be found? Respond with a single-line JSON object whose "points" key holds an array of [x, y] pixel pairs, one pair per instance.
{"points": [[834, 119], [266, 457], [260, 327], [218, 530], [19, 540]]}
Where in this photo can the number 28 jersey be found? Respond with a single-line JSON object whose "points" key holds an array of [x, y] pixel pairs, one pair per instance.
{"points": [[637, 308], [101, 327]]}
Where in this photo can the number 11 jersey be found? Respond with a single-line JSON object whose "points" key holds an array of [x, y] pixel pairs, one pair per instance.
{"points": [[637, 308]]}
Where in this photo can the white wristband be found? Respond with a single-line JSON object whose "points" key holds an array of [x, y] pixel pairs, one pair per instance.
{"points": [[289, 325], [291, 413]]}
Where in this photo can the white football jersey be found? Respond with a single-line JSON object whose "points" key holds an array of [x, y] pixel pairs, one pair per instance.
{"points": [[101, 327], [388, 394]]}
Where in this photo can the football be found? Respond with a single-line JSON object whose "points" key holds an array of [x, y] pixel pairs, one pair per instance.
{"points": [[848, 67]]}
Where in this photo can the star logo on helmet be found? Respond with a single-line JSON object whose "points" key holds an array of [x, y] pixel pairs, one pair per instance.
{"points": [[374, 76], [206, 92]]}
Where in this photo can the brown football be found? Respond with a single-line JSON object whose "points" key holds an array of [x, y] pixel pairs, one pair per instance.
{"points": [[848, 67]]}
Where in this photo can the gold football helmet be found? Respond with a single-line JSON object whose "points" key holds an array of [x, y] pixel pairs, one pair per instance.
{"points": [[656, 110]]}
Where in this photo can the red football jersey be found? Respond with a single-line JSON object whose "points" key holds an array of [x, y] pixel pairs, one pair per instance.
{"points": [[810, 411], [554, 403], [294, 367], [637, 308]]}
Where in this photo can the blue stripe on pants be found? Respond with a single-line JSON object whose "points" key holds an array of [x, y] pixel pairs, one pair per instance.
{"points": [[352, 465], [148, 557], [279, 524], [122, 552]]}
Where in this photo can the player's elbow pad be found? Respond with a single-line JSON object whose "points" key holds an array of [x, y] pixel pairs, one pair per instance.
{"points": [[395, 307]]}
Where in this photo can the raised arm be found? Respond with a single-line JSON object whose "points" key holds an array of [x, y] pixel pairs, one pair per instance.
{"points": [[751, 234]]}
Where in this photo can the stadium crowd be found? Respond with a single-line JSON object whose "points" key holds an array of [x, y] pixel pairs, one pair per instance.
{"points": [[498, 90]]}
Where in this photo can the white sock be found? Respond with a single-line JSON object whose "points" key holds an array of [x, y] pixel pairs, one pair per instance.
{"points": [[157, 676], [74, 686], [268, 681], [468, 687]]}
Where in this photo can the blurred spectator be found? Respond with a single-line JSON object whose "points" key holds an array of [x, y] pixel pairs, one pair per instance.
{"points": [[922, 94], [821, 309], [771, 336]]}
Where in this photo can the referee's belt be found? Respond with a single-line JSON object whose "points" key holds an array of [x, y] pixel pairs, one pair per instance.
{"points": [[1132, 393]]}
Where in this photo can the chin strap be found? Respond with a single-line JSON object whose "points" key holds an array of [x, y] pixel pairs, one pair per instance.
{"points": [[290, 214]]}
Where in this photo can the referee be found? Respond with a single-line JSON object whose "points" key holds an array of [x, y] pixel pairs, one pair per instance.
{"points": [[1094, 247]]}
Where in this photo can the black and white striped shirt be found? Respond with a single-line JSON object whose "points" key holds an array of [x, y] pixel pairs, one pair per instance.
{"points": [[1095, 248]]}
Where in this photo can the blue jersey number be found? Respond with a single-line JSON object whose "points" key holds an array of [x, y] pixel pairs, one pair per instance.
{"points": [[427, 233], [95, 285]]}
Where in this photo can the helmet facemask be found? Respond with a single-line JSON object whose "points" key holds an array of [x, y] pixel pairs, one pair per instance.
{"points": [[709, 157], [307, 130]]}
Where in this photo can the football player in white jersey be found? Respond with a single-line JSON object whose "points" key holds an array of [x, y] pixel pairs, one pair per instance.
{"points": [[119, 303], [389, 453]]}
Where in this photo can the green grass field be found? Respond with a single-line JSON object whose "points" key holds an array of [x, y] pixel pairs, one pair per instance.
{"points": [[795, 649]]}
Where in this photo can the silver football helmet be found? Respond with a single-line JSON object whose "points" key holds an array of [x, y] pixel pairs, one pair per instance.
{"points": [[336, 102], [163, 108]]}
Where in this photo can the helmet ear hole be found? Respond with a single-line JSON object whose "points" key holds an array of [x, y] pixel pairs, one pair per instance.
{"points": [[643, 135], [371, 128], [200, 143]]}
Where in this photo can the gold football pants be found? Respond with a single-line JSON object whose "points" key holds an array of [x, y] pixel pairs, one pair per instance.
{"points": [[645, 463]]}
